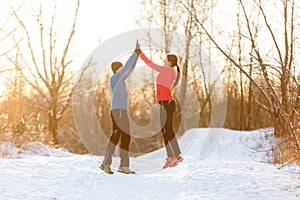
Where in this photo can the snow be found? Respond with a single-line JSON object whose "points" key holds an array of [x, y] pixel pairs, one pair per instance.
{"points": [[230, 171]]}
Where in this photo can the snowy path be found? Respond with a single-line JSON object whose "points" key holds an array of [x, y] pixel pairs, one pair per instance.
{"points": [[78, 177]]}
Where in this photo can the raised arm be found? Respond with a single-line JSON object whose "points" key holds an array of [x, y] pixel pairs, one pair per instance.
{"points": [[127, 69], [150, 63]]}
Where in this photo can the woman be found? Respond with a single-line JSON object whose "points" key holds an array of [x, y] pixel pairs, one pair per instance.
{"points": [[166, 80]]}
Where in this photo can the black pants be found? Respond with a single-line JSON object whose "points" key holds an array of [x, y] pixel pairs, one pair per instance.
{"points": [[166, 116], [120, 129]]}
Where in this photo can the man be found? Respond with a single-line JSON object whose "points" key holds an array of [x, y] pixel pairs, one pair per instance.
{"points": [[119, 114]]}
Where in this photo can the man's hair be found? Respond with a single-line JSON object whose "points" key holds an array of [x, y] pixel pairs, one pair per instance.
{"points": [[115, 66]]}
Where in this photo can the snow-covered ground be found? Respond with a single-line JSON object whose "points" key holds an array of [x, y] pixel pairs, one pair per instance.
{"points": [[230, 171]]}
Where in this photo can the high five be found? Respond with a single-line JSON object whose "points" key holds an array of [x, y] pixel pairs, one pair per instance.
{"points": [[166, 80]]}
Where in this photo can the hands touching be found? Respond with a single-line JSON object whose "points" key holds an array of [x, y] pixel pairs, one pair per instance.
{"points": [[137, 48]]}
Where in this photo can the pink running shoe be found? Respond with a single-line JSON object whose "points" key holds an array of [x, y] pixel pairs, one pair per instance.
{"points": [[176, 161], [169, 162]]}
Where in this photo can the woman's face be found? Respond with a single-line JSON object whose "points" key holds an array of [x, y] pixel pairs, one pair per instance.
{"points": [[166, 62]]}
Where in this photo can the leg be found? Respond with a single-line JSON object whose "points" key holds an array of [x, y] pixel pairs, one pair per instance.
{"points": [[163, 118], [173, 141], [113, 140], [168, 132], [125, 140]]}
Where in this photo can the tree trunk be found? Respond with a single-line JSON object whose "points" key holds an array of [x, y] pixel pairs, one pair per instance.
{"points": [[53, 121], [53, 127]]}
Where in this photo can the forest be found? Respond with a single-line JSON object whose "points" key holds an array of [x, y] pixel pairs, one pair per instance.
{"points": [[240, 72]]}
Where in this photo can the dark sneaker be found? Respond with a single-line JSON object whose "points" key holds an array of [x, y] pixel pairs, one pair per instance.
{"points": [[126, 170], [176, 161], [106, 169]]}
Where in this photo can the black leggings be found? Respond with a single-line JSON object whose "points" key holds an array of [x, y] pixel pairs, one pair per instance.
{"points": [[120, 129], [166, 116]]}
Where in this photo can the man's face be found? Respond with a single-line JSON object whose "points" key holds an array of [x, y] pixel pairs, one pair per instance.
{"points": [[119, 69]]}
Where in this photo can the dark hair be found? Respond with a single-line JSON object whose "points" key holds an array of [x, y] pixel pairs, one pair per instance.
{"points": [[115, 66], [173, 59]]}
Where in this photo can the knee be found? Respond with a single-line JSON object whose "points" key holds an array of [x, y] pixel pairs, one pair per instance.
{"points": [[114, 138], [168, 134]]}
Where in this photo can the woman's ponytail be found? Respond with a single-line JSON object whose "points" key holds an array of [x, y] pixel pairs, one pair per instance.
{"points": [[177, 77], [173, 59]]}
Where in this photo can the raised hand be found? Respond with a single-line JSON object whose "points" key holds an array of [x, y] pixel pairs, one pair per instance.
{"points": [[137, 48]]}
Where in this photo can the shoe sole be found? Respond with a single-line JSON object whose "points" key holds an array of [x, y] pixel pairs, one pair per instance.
{"points": [[126, 172]]}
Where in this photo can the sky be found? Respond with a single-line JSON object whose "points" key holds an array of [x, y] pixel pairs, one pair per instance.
{"points": [[98, 21], [101, 20]]}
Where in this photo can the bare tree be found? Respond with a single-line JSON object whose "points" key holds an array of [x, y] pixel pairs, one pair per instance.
{"points": [[163, 13], [44, 61], [279, 98], [6, 32]]}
